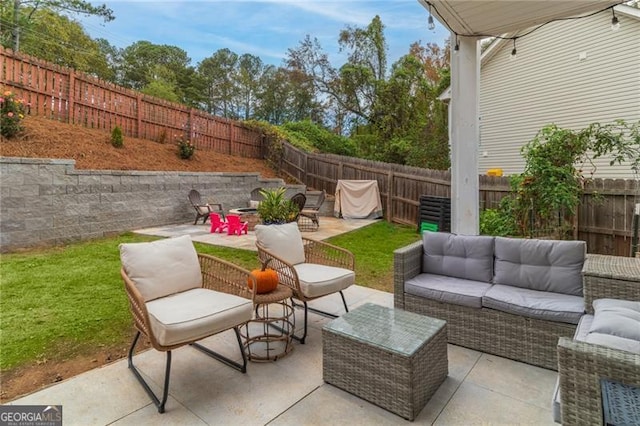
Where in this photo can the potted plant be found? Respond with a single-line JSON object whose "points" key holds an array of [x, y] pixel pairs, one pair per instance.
{"points": [[275, 208]]}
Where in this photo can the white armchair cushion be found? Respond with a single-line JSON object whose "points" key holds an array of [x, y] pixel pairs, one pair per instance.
{"points": [[319, 280], [163, 267], [285, 241], [195, 314]]}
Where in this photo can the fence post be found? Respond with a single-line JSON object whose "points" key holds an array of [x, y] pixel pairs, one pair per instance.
{"points": [[70, 96], [390, 177], [138, 115], [191, 127], [230, 136]]}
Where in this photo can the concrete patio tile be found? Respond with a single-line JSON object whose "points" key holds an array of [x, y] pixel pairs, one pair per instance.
{"points": [[328, 405], [99, 396], [461, 361], [474, 405], [177, 415], [224, 396], [524, 382]]}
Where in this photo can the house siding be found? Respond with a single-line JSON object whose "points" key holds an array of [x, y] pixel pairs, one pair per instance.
{"points": [[547, 83]]}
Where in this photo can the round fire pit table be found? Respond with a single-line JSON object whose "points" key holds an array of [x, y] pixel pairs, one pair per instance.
{"points": [[247, 214]]}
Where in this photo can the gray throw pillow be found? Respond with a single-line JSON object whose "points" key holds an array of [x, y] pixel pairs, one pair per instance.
{"points": [[617, 318]]}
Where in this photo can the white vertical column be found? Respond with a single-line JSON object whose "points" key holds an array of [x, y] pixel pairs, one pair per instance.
{"points": [[464, 130]]}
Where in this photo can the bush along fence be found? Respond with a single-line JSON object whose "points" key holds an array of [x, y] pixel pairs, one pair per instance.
{"points": [[604, 219], [65, 95]]}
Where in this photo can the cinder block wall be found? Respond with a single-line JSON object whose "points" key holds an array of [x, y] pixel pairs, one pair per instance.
{"points": [[47, 202]]}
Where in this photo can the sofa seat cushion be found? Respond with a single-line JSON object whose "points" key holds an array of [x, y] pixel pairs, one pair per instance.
{"points": [[544, 265], [583, 328], [446, 289], [542, 305], [195, 314], [463, 256], [318, 280]]}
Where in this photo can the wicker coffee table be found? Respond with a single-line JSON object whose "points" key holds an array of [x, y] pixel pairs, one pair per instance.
{"points": [[392, 358]]}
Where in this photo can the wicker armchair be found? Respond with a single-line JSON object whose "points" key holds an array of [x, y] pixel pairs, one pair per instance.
{"points": [[580, 368], [178, 297], [312, 269], [582, 365]]}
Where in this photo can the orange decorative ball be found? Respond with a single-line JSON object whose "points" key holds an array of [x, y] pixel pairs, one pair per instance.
{"points": [[266, 279]]}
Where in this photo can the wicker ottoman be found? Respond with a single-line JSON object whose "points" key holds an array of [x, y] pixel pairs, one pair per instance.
{"points": [[392, 358]]}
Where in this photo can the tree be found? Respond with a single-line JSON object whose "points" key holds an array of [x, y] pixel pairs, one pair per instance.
{"points": [[311, 64], [364, 73], [58, 39], [144, 63], [286, 96], [410, 125], [23, 11], [217, 73], [250, 70]]}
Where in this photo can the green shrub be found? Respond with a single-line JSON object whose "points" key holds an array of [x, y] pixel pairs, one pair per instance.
{"points": [[275, 208], [502, 221], [322, 139], [117, 140], [12, 110], [186, 149]]}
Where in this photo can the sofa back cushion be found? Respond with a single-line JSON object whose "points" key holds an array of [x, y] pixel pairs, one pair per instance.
{"points": [[544, 265], [463, 256]]}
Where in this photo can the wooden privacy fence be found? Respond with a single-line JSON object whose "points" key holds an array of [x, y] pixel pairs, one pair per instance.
{"points": [[65, 95], [604, 218]]}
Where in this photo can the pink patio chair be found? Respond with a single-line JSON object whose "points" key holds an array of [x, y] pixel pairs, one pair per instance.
{"points": [[217, 223], [235, 226]]}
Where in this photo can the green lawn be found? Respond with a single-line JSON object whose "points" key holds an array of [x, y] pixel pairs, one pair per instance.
{"points": [[59, 302]]}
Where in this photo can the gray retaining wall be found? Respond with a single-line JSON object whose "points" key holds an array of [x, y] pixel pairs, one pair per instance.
{"points": [[49, 202]]}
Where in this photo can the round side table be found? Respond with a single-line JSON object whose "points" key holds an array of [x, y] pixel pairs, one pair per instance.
{"points": [[268, 336]]}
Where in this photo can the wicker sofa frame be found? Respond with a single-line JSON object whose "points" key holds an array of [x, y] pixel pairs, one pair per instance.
{"points": [[581, 365], [488, 330], [580, 368]]}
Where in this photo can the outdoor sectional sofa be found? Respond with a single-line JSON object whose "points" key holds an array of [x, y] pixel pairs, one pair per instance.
{"points": [[505, 296], [523, 299]]}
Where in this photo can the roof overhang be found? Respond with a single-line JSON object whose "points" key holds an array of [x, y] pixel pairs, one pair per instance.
{"points": [[491, 18]]}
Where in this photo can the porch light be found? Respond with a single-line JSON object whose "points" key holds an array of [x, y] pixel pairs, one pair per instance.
{"points": [[513, 51], [615, 24], [457, 45]]}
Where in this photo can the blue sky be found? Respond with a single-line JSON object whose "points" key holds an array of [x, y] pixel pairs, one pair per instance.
{"points": [[265, 28]]}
